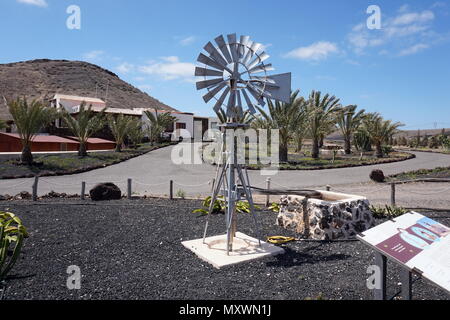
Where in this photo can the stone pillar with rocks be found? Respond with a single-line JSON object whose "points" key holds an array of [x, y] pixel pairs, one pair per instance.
{"points": [[331, 216]]}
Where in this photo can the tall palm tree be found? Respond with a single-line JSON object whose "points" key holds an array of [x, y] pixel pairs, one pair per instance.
{"points": [[380, 131], [286, 118], [348, 121], [246, 118], [158, 124], [29, 119], [84, 125], [119, 126], [322, 113]]}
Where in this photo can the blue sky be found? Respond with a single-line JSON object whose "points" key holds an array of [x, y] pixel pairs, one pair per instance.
{"points": [[402, 70]]}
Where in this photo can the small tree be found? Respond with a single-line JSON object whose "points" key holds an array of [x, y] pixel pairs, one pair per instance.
{"points": [[135, 132], [348, 121], [158, 124], [84, 125], [119, 126], [380, 131], [29, 119], [322, 111]]}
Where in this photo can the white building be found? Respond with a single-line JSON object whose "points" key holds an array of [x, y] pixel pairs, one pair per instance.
{"points": [[187, 124]]}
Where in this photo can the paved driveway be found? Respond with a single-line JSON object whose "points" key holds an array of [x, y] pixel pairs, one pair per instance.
{"points": [[152, 172]]}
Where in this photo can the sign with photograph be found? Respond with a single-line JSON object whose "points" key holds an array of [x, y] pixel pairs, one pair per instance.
{"points": [[417, 242]]}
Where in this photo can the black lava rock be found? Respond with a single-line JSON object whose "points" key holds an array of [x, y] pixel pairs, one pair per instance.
{"points": [[377, 176], [105, 191]]}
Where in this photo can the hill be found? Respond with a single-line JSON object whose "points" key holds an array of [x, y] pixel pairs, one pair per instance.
{"points": [[39, 78]]}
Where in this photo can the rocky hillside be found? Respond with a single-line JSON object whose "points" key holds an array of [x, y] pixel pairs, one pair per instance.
{"points": [[38, 78]]}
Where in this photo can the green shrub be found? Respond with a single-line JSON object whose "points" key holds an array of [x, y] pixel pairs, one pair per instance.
{"points": [[181, 194], [362, 142], [219, 206], [12, 234], [387, 212]]}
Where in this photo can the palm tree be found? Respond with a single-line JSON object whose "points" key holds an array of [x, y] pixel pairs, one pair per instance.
{"points": [[84, 125], [321, 117], [246, 118], [158, 124], [119, 126], [380, 131], [348, 121], [135, 132], [286, 117], [29, 119]]}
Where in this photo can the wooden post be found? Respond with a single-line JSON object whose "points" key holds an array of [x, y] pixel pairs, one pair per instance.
{"points": [[171, 190], [380, 292], [83, 190], [268, 195], [306, 221], [129, 189], [35, 188], [393, 194]]}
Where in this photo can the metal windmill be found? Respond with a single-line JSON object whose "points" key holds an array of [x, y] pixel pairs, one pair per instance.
{"points": [[234, 72]]}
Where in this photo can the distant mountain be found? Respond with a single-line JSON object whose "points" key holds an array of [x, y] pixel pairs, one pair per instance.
{"points": [[38, 78]]}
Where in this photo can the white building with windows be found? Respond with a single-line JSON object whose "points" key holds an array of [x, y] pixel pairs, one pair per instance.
{"points": [[187, 125]]}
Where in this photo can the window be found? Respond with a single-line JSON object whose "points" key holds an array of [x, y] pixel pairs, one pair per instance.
{"points": [[181, 125]]}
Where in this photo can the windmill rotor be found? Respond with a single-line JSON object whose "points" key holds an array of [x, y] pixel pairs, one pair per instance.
{"points": [[235, 74]]}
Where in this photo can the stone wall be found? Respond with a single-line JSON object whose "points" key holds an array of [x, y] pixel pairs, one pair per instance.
{"points": [[326, 219]]}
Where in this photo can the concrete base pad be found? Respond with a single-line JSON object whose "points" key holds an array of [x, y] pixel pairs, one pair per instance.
{"points": [[245, 249]]}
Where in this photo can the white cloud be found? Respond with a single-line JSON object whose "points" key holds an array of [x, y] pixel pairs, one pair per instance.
{"points": [[403, 32], [413, 17], [93, 55], [413, 49], [315, 52], [170, 68], [187, 41], [39, 3], [125, 67]]}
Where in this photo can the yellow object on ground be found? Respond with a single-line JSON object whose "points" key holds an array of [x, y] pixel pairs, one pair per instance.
{"points": [[280, 239]]}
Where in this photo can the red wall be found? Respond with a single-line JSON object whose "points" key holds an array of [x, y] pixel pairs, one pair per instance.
{"points": [[11, 144]]}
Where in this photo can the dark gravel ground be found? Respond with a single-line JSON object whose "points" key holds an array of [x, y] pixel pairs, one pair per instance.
{"points": [[132, 250]]}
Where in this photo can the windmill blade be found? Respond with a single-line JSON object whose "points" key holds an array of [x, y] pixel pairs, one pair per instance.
{"points": [[259, 59], [249, 54], [214, 54], [211, 94], [233, 46], [223, 47], [255, 47], [250, 106], [209, 62], [208, 83], [282, 90], [261, 68], [256, 94], [243, 41], [222, 98], [203, 72]]}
